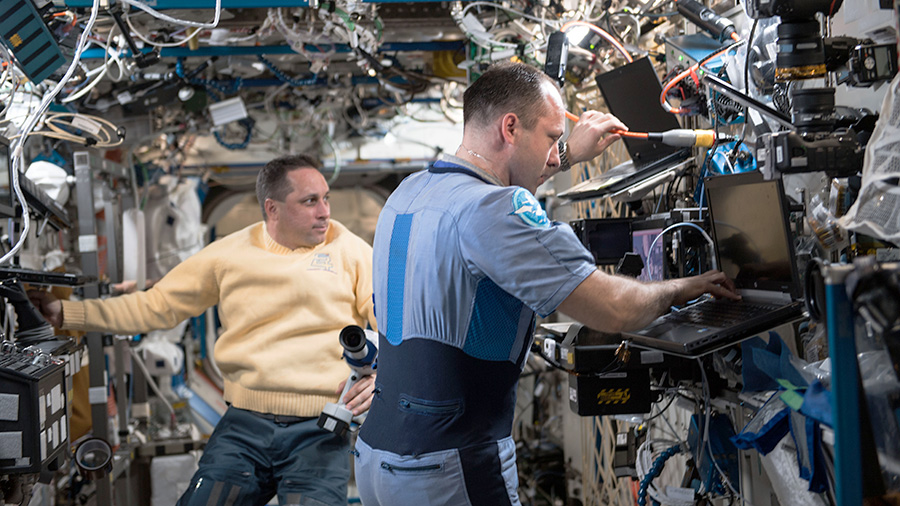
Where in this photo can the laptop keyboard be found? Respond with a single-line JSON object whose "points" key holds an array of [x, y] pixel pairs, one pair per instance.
{"points": [[720, 313]]}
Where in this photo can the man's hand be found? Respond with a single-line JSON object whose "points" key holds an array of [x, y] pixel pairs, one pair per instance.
{"points": [[129, 286], [49, 306], [712, 282], [591, 136], [359, 397]]}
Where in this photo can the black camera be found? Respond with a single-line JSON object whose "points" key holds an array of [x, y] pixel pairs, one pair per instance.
{"points": [[801, 52], [860, 63], [838, 154], [814, 145]]}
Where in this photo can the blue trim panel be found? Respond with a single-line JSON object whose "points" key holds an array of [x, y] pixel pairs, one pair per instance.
{"points": [[494, 323], [438, 374], [482, 472], [845, 388], [396, 277]]}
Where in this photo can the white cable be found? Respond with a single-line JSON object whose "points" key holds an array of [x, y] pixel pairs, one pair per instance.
{"points": [[707, 441], [712, 245], [644, 462], [8, 73], [88, 87], [295, 39], [120, 47], [149, 10], [158, 44], [12, 94], [477, 35], [54, 123], [17, 149], [507, 9], [606, 36], [337, 159], [151, 380]]}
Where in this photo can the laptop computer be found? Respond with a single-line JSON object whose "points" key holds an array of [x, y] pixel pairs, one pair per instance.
{"points": [[632, 94], [755, 249], [53, 278]]}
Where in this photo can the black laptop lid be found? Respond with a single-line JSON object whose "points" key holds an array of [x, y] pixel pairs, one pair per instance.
{"points": [[752, 233], [632, 95]]}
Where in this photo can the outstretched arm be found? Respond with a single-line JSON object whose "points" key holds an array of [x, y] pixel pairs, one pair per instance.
{"points": [[617, 303], [187, 290]]}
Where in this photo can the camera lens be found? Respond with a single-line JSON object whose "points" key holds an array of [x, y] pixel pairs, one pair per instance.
{"points": [[801, 54], [94, 458], [353, 338], [812, 110]]}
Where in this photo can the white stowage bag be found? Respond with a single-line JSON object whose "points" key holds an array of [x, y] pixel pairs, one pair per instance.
{"points": [[173, 226], [877, 209]]}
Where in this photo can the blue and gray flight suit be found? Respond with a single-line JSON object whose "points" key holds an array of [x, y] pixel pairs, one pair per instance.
{"points": [[461, 266]]}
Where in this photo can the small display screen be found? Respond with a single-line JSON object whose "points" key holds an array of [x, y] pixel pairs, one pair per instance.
{"points": [[883, 57], [653, 260], [608, 240]]}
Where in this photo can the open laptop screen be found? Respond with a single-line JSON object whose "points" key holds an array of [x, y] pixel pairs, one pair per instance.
{"points": [[752, 236], [632, 95]]}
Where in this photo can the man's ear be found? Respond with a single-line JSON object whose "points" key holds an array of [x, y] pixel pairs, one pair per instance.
{"points": [[271, 209], [510, 127]]}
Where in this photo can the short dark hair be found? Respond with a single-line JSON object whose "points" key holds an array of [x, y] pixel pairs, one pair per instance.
{"points": [[271, 183], [506, 87]]}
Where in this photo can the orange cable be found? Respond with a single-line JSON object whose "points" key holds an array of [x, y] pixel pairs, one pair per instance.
{"points": [[628, 133], [609, 38], [693, 68]]}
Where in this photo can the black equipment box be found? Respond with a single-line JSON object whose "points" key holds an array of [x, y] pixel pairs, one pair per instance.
{"points": [[602, 384], [617, 393], [606, 377], [33, 410]]}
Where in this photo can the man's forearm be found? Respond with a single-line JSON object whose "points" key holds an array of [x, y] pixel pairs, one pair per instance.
{"points": [[641, 303], [617, 303]]}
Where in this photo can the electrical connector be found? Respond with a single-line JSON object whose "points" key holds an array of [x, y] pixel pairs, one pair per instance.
{"points": [[682, 137]]}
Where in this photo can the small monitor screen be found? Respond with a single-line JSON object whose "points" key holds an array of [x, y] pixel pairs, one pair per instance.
{"points": [[653, 260], [607, 239]]}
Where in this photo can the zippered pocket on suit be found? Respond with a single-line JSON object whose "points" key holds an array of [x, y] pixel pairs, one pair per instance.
{"points": [[433, 408], [410, 469]]}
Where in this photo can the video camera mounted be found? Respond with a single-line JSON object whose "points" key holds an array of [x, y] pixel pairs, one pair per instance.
{"points": [[815, 143]]}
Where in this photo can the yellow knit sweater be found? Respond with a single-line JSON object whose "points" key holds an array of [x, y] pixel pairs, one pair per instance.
{"points": [[281, 311]]}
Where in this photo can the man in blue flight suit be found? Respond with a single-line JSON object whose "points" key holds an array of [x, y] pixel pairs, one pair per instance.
{"points": [[464, 257]]}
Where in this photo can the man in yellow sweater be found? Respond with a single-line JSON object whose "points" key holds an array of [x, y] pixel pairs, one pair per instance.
{"points": [[285, 288]]}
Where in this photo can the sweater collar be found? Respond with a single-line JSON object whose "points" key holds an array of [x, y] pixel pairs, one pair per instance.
{"points": [[280, 249]]}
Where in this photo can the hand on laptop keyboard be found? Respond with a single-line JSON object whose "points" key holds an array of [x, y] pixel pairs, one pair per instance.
{"points": [[712, 282]]}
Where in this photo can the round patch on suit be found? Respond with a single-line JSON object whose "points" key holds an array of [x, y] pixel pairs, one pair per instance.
{"points": [[528, 209]]}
